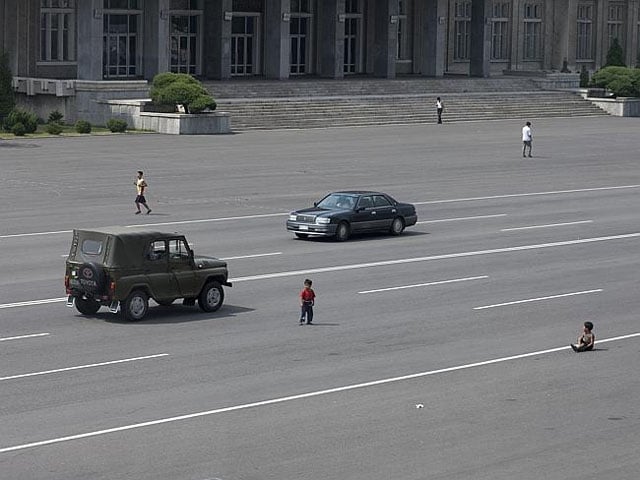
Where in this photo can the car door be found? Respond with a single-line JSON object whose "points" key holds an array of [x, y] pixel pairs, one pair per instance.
{"points": [[162, 282], [365, 216], [385, 212], [181, 265]]}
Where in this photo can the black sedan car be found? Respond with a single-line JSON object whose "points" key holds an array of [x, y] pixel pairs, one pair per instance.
{"points": [[341, 214]]}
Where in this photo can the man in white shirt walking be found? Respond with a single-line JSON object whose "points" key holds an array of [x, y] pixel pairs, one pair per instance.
{"points": [[527, 138]]}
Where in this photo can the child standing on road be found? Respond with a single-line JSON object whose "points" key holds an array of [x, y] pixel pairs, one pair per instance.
{"points": [[307, 300], [141, 187], [586, 339]]}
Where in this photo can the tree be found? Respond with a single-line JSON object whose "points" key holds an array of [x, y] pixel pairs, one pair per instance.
{"points": [[615, 55], [7, 99], [180, 88]]}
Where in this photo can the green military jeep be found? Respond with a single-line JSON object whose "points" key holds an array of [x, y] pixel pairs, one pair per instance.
{"points": [[122, 268]]}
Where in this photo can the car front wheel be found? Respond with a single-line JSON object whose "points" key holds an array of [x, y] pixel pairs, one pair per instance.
{"points": [[397, 226], [136, 306], [87, 306], [342, 232], [211, 297]]}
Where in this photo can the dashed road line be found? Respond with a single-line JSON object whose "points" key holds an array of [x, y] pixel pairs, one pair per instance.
{"points": [[529, 300], [429, 284], [21, 337], [549, 225], [456, 219]]}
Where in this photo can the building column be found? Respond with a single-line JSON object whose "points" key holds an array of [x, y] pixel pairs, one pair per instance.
{"points": [[632, 36], [331, 39], [430, 37], [90, 39], [385, 38], [276, 38], [480, 50], [217, 39], [156, 38], [601, 34]]}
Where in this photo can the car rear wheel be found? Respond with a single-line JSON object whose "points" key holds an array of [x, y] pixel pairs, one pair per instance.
{"points": [[397, 226], [87, 306], [136, 306], [342, 232], [211, 297], [302, 235]]}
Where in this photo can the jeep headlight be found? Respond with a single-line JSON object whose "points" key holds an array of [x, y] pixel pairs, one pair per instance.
{"points": [[293, 217], [323, 220]]}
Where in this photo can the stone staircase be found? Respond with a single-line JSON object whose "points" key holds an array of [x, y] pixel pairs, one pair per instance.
{"points": [[315, 103]]}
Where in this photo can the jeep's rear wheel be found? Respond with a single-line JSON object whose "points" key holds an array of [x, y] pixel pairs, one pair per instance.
{"points": [[136, 306], [87, 306], [211, 297]]}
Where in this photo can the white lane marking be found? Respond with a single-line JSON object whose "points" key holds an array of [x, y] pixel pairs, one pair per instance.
{"points": [[281, 214], [515, 195], [81, 367], [301, 396], [33, 302], [35, 234], [441, 282], [255, 255], [584, 292], [545, 226], [433, 257], [209, 220], [477, 217], [383, 263], [20, 337]]}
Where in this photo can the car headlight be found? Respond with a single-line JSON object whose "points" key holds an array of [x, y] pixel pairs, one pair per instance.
{"points": [[293, 217], [323, 220]]}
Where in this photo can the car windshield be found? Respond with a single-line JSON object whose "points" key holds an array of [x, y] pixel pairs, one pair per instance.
{"points": [[338, 200]]}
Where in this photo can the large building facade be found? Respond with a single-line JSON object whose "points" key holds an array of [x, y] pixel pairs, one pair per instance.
{"points": [[101, 40]]}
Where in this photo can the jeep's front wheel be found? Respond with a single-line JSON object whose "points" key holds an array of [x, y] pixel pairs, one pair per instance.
{"points": [[135, 306], [87, 306], [211, 297]]}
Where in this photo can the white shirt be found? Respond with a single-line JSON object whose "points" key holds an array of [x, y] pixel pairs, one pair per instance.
{"points": [[526, 133], [438, 104]]}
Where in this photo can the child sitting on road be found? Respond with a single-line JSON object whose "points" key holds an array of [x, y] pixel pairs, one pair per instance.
{"points": [[586, 339]]}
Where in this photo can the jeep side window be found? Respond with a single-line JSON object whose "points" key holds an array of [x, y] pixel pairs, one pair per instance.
{"points": [[178, 249], [157, 250]]}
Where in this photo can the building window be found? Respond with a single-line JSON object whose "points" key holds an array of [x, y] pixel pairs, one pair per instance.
{"points": [[300, 37], [532, 31], [403, 51], [615, 23], [462, 30], [584, 32], [500, 31], [186, 21], [57, 30], [121, 40]]}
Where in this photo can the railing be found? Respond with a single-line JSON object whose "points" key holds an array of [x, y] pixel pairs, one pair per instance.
{"points": [[44, 86]]}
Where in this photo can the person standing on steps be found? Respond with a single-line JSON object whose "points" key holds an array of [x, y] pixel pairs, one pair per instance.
{"points": [[439, 109], [141, 187], [527, 138]]}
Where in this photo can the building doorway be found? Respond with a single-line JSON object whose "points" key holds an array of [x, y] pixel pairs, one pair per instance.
{"points": [[353, 36], [186, 41], [245, 44], [301, 37], [122, 21]]}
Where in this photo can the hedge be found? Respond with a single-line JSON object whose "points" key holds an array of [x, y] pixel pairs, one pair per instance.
{"points": [[621, 81]]}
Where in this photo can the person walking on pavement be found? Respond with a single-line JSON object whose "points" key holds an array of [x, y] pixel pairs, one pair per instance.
{"points": [[307, 300], [141, 187], [439, 109], [527, 138]]}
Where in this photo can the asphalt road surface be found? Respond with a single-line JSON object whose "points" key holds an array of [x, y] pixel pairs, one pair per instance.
{"points": [[439, 354]]}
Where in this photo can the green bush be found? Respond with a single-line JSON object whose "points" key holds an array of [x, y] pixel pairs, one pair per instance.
{"points": [[54, 128], [622, 81], [82, 126], [615, 55], [55, 116], [117, 125], [18, 129], [29, 120], [7, 99], [180, 88]]}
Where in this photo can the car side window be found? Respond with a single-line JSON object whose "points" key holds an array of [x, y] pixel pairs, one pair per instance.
{"points": [[178, 249], [365, 202], [157, 251], [381, 201]]}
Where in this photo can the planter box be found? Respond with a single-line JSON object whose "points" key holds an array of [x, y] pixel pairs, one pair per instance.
{"points": [[133, 111], [619, 107]]}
